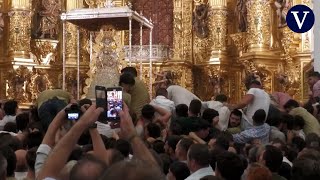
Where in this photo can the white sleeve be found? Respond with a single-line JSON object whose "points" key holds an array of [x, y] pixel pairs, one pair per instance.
{"points": [[42, 155], [251, 91], [224, 115]]}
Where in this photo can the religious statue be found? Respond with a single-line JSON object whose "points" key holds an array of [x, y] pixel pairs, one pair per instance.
{"points": [[1, 25], [282, 10], [241, 13], [49, 19], [200, 21]]}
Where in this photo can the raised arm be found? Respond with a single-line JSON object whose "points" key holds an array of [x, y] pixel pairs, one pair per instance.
{"points": [[247, 99], [59, 155], [129, 133], [164, 114]]}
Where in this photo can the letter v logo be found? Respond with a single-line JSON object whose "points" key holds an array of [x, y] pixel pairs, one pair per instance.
{"points": [[300, 19], [296, 17]]}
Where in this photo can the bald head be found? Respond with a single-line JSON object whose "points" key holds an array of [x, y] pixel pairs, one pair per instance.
{"points": [[21, 165]]}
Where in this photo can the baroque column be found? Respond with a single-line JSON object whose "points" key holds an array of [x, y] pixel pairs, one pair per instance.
{"points": [[258, 25], [71, 34], [18, 28], [218, 26]]}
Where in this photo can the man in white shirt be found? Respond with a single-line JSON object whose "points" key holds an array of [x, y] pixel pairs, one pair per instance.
{"points": [[180, 95], [198, 161], [162, 101], [10, 109], [219, 105], [256, 98]]}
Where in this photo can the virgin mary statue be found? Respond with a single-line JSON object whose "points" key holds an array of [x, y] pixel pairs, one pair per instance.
{"points": [[104, 68]]}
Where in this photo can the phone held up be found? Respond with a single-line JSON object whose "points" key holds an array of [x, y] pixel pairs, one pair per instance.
{"points": [[73, 112], [111, 100], [114, 103]]}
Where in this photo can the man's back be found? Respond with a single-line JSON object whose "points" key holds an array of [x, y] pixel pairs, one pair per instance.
{"points": [[261, 101], [139, 96], [164, 103], [311, 123], [261, 133], [180, 95]]}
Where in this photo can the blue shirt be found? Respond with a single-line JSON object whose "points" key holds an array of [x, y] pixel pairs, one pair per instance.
{"points": [[256, 132]]}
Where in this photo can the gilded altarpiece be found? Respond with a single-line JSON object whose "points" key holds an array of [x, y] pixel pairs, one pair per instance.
{"points": [[213, 45]]}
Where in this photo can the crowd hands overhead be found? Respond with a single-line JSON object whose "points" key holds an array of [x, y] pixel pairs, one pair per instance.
{"points": [[174, 136]]}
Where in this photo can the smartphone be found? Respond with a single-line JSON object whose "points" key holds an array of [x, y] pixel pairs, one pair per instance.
{"points": [[114, 103], [100, 96], [73, 116]]}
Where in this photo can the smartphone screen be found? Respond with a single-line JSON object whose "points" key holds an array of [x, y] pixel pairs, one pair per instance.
{"points": [[73, 116], [100, 96], [114, 103]]}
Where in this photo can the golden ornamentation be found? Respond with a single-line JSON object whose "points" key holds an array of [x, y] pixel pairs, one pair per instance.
{"points": [[289, 79], [187, 30], [71, 43], [258, 25], [218, 27], [200, 21], [71, 79], [44, 50], [49, 19], [19, 28], [282, 8], [39, 81], [241, 14], [105, 63], [1, 24], [18, 80], [91, 3], [239, 40]]}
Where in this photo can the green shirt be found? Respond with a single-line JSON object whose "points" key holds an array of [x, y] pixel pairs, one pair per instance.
{"points": [[139, 96], [234, 130], [311, 123]]}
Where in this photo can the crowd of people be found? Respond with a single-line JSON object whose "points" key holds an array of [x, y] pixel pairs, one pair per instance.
{"points": [[175, 136]]}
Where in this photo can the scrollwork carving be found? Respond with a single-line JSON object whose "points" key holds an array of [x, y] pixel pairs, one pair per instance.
{"points": [[39, 82], [19, 36], [18, 80], [49, 16], [200, 21]]}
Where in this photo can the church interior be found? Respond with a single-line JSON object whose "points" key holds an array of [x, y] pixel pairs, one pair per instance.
{"points": [[208, 46]]}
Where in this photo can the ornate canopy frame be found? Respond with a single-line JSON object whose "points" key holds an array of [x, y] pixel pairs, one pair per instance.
{"points": [[92, 19]]}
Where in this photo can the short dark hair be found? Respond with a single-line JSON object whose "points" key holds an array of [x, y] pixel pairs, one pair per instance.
{"points": [[185, 144], [180, 170], [312, 140], [34, 139], [127, 78], [199, 153], [298, 143], [259, 116], [31, 158], [230, 166], [154, 130], [182, 110], [298, 122], [158, 146], [314, 74], [10, 107], [236, 112], [10, 127], [221, 98], [175, 128], [201, 125], [291, 104], [223, 140], [123, 146], [195, 106], [134, 169], [22, 121], [116, 156], [9, 154], [79, 170], [273, 158], [173, 141], [130, 70], [209, 114], [304, 168], [148, 111], [162, 92]]}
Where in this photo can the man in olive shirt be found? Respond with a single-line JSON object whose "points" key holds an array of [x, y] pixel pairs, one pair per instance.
{"points": [[50, 102], [139, 92]]}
